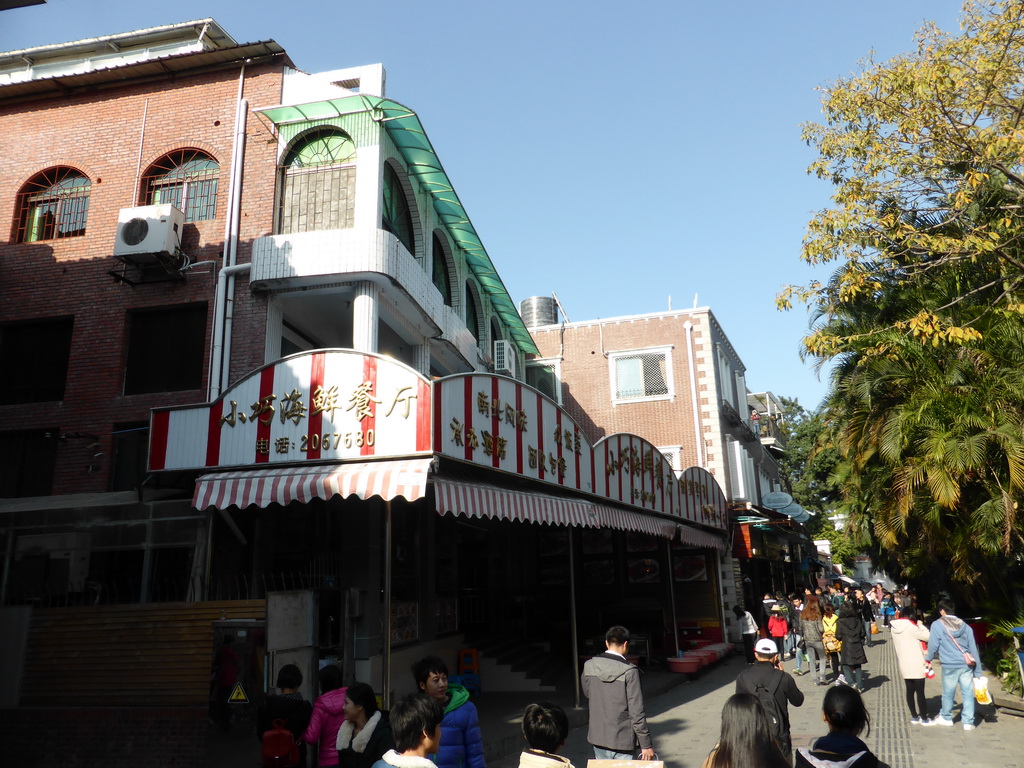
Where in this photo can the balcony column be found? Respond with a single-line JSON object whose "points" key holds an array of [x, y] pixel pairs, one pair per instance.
{"points": [[365, 317], [421, 355]]}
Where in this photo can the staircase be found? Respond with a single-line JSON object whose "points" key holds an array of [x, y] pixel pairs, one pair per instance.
{"points": [[510, 665]]}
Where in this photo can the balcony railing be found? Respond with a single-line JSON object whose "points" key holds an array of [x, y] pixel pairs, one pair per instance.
{"points": [[770, 432]]}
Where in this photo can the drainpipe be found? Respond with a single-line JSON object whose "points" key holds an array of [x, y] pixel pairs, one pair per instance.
{"points": [[695, 401], [220, 352], [222, 312]]}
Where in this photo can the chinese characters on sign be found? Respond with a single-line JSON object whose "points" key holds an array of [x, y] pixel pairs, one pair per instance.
{"points": [[290, 407]]}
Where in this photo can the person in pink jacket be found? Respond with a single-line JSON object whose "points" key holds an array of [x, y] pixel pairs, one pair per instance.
{"points": [[328, 715]]}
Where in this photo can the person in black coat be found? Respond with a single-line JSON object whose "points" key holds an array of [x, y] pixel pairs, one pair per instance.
{"points": [[365, 735], [850, 631], [768, 673], [866, 614], [287, 705]]}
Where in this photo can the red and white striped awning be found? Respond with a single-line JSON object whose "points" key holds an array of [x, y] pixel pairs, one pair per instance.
{"points": [[263, 487], [624, 520], [704, 539], [472, 499]]}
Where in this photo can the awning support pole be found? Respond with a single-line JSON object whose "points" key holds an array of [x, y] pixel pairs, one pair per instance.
{"points": [[386, 671], [672, 594], [572, 619]]}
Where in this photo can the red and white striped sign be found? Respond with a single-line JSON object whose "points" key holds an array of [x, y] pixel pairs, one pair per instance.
{"points": [[313, 406]]}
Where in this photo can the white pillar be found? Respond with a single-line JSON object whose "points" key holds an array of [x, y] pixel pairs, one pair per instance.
{"points": [[365, 317], [422, 355]]}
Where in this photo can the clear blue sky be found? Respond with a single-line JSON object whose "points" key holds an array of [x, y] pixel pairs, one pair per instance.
{"points": [[615, 153]]}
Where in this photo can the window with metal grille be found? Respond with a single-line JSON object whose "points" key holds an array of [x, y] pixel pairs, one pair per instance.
{"points": [[544, 377], [53, 204], [673, 456], [186, 179], [640, 375], [396, 216], [318, 183], [439, 273]]}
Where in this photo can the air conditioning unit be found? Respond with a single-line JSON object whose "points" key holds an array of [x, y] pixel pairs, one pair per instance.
{"points": [[148, 234], [504, 358]]}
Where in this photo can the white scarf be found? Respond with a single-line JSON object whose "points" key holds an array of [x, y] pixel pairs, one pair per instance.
{"points": [[361, 739]]}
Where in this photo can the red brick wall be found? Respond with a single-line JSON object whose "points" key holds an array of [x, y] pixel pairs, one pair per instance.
{"points": [[101, 133], [586, 380], [112, 737]]}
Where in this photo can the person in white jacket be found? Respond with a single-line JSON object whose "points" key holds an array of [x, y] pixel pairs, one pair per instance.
{"points": [[908, 632], [416, 726]]}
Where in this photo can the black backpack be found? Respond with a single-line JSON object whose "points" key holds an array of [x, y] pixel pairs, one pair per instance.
{"points": [[771, 708]]}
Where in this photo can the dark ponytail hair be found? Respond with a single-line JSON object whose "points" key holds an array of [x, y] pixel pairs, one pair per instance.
{"points": [[746, 740], [845, 711]]}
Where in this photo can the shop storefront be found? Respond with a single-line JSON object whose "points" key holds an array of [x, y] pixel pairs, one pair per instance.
{"points": [[399, 504]]}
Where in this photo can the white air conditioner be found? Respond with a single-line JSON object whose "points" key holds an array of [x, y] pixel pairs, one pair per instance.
{"points": [[147, 233], [504, 358]]}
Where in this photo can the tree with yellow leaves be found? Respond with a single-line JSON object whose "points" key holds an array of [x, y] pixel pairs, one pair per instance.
{"points": [[926, 152], [924, 314]]}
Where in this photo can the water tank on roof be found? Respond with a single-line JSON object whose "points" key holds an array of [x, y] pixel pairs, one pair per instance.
{"points": [[539, 310]]}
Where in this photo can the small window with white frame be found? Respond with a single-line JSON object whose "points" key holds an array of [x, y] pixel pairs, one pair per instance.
{"points": [[545, 375], [673, 455], [641, 375]]}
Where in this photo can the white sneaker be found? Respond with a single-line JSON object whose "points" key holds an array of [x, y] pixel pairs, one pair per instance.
{"points": [[968, 727], [841, 680], [940, 720]]}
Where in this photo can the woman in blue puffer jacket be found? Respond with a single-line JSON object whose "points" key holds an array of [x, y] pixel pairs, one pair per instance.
{"points": [[461, 743]]}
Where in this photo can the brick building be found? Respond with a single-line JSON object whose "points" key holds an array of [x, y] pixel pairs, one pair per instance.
{"points": [[262, 379], [182, 209], [674, 378]]}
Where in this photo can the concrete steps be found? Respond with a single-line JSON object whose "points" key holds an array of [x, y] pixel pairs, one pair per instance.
{"points": [[512, 666]]}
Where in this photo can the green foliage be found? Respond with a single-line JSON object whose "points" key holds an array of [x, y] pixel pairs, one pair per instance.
{"points": [[1003, 657], [922, 317], [926, 140], [808, 466]]}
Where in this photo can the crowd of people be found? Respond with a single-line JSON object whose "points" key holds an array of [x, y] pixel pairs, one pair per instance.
{"points": [[348, 730], [826, 629], [835, 626]]}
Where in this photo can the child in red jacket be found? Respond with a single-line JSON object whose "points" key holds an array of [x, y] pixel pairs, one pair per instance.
{"points": [[778, 628]]}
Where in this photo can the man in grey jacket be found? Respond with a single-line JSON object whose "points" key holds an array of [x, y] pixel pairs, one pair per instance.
{"points": [[617, 719]]}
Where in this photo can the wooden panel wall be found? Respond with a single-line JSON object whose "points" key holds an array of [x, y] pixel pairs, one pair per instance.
{"points": [[157, 654]]}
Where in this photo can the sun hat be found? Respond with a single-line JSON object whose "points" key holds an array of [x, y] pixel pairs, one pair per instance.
{"points": [[766, 647]]}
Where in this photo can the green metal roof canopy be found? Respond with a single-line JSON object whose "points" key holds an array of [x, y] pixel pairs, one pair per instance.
{"points": [[407, 133]]}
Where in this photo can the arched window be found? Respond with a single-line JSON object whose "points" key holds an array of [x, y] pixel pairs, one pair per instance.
{"points": [[439, 272], [318, 183], [186, 179], [472, 312], [53, 204], [495, 330], [396, 216]]}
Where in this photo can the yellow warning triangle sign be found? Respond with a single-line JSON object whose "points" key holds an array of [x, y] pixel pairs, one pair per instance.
{"points": [[238, 695]]}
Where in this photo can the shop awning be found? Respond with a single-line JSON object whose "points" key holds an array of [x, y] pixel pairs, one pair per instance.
{"points": [[697, 538], [263, 487], [624, 520], [473, 499]]}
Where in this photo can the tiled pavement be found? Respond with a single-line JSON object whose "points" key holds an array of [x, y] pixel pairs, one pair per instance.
{"points": [[684, 716], [685, 720]]}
